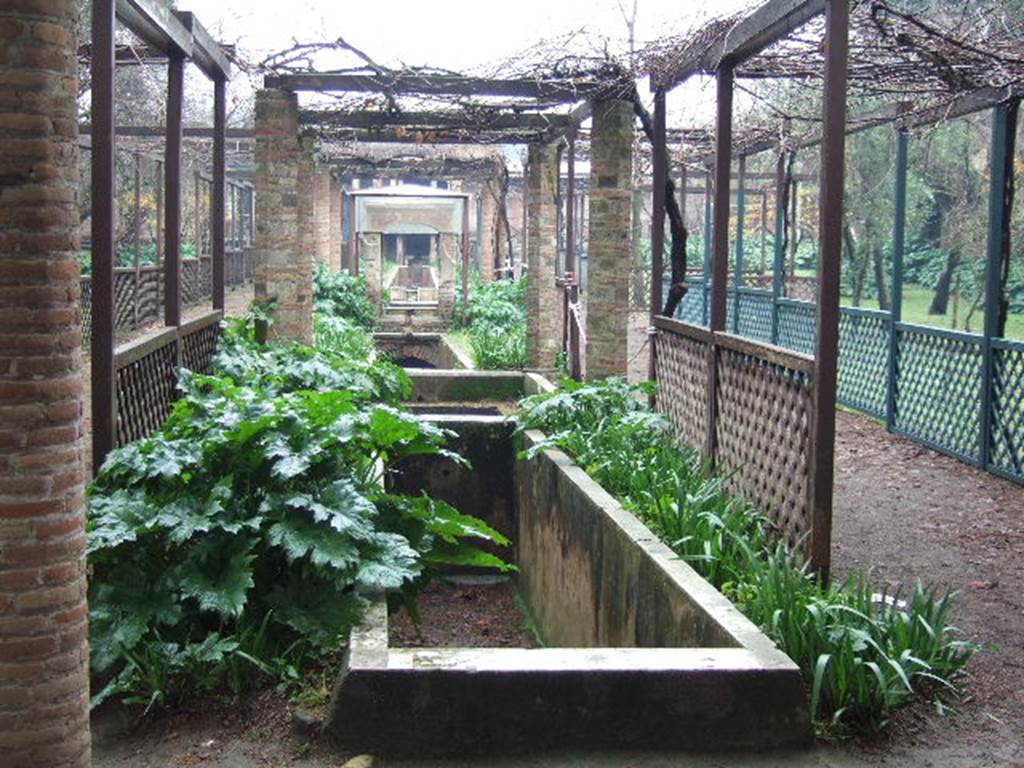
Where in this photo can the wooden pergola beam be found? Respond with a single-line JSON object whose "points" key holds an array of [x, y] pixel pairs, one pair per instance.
{"points": [[430, 120], [206, 52], [434, 136], [158, 131], [769, 23], [565, 91], [155, 24]]}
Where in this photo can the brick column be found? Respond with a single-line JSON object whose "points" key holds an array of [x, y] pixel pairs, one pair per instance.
{"points": [[284, 269], [44, 683], [490, 192], [322, 223], [370, 254], [609, 239], [334, 227], [543, 305], [449, 253]]}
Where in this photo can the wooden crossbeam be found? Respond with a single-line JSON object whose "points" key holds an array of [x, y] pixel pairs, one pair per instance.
{"points": [[155, 24], [564, 91], [769, 23], [430, 120], [206, 52], [158, 131], [402, 135]]}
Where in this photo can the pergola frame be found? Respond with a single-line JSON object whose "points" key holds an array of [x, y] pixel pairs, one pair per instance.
{"points": [[772, 21], [179, 37], [479, 123]]}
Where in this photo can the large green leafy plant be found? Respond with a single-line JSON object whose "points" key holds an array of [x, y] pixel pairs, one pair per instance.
{"points": [[241, 537], [339, 294], [862, 653], [496, 324]]}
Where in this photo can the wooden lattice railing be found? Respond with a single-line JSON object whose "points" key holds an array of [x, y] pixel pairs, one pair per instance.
{"points": [[751, 413], [147, 373]]}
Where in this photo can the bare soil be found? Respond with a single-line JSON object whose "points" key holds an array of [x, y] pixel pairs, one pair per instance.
{"points": [[462, 616]]}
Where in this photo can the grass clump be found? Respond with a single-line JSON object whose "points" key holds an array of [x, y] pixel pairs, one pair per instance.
{"points": [[863, 654]]}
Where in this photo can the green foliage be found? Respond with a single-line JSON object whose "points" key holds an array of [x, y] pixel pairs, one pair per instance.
{"points": [[339, 294], [238, 540], [862, 653], [496, 324]]}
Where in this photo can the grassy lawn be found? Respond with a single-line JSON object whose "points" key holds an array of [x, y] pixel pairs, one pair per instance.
{"points": [[917, 299]]}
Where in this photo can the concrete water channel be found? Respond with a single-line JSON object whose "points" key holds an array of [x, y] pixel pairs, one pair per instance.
{"points": [[639, 651]]}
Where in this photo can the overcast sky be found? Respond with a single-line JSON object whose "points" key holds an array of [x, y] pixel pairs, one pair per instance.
{"points": [[455, 34]]}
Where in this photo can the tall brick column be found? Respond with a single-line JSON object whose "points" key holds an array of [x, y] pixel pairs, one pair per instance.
{"points": [[334, 227], [449, 253], [490, 193], [44, 683], [284, 269], [370, 256], [608, 250], [543, 304], [322, 224]]}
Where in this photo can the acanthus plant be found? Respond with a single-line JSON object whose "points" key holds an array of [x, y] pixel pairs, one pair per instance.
{"points": [[240, 538]]}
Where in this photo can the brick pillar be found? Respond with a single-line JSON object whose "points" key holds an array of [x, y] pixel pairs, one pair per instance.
{"points": [[490, 193], [543, 307], [284, 269], [334, 228], [609, 239], [449, 253], [322, 222], [44, 682], [370, 255]]}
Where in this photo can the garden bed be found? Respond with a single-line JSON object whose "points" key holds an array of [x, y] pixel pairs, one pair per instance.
{"points": [[640, 651]]}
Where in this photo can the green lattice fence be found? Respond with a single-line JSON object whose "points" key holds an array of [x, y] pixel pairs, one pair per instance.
{"points": [[937, 373], [755, 314], [796, 325], [863, 359], [1007, 456], [938, 389]]}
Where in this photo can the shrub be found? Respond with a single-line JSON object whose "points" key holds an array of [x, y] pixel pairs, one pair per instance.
{"points": [[862, 653], [339, 294], [496, 324]]}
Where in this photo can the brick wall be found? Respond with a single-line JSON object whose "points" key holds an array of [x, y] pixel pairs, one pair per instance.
{"points": [[611, 169], [284, 269], [44, 686], [543, 305]]}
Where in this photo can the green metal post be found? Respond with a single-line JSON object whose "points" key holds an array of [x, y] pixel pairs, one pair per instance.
{"points": [[741, 218], [898, 245], [779, 260], [708, 228], [1004, 127]]}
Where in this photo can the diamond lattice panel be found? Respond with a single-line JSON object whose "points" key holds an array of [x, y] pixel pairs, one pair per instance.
{"points": [[1008, 408], [796, 327], [682, 384], [938, 389], [145, 391], [763, 438], [863, 361]]}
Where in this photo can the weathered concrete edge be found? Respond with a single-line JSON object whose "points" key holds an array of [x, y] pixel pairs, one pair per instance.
{"points": [[718, 608], [451, 385]]}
